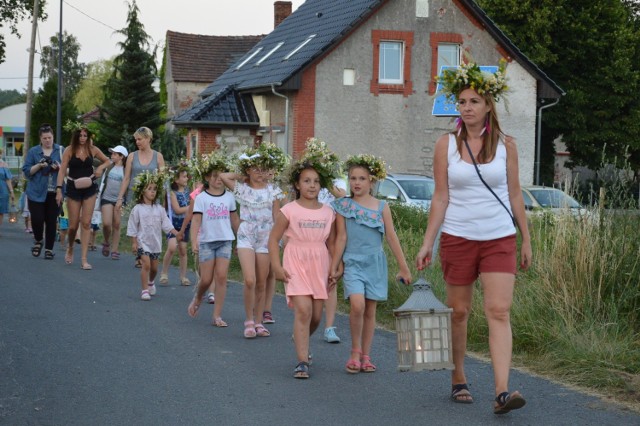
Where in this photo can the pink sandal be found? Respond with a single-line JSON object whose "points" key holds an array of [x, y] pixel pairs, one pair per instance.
{"points": [[249, 330], [261, 331], [192, 310], [367, 366], [353, 365]]}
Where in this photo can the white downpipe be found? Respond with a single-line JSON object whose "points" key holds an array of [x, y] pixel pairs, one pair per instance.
{"points": [[539, 138]]}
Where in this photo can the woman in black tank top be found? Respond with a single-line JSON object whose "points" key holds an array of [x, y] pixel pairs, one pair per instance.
{"points": [[77, 162]]}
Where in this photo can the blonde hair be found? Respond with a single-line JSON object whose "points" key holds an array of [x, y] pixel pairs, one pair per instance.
{"points": [[145, 132]]}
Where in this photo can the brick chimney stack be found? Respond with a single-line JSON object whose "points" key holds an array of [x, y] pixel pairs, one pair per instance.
{"points": [[281, 9]]}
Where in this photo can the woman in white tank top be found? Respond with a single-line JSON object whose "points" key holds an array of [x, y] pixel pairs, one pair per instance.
{"points": [[478, 233]]}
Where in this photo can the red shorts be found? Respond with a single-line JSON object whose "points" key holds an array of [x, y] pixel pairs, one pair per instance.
{"points": [[464, 260]]}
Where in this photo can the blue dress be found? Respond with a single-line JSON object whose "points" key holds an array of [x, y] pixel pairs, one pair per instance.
{"points": [[5, 174], [365, 264]]}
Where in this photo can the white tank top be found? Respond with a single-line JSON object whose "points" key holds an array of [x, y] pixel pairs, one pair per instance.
{"points": [[473, 212]]}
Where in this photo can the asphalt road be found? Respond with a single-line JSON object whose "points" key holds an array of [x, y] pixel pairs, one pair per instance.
{"points": [[80, 348]]}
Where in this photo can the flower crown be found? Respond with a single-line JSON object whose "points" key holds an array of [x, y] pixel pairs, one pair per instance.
{"points": [[71, 126], [200, 167], [275, 158], [376, 166], [146, 178], [454, 81], [318, 156]]}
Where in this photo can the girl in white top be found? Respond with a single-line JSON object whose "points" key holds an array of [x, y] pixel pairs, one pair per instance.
{"points": [[111, 185], [147, 221], [259, 204], [213, 225]]}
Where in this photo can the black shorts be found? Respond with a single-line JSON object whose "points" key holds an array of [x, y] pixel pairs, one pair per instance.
{"points": [[81, 194]]}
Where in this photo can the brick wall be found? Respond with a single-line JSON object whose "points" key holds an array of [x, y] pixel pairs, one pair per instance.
{"points": [[281, 9], [304, 111]]}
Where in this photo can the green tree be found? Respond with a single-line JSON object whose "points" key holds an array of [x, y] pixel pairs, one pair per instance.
{"points": [[44, 111], [130, 100], [90, 94], [72, 71], [12, 12], [11, 97], [591, 50]]}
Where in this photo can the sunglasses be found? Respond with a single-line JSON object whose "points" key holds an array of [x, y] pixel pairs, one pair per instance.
{"points": [[46, 128]]}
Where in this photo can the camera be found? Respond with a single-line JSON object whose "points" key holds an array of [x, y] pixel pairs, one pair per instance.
{"points": [[46, 160]]}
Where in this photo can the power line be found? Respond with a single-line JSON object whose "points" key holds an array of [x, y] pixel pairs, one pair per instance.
{"points": [[88, 16]]}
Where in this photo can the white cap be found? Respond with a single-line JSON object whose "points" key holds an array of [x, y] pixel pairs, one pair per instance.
{"points": [[120, 150]]}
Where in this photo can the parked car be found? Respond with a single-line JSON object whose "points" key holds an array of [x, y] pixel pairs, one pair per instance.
{"points": [[406, 188], [553, 199]]}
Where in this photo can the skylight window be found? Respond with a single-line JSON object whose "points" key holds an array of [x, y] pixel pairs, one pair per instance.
{"points": [[250, 57], [270, 53], [303, 44]]}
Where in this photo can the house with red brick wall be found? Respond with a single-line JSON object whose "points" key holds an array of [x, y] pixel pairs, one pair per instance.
{"points": [[193, 61], [359, 75]]}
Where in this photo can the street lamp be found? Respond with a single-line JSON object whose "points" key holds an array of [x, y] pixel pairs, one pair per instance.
{"points": [[423, 329]]}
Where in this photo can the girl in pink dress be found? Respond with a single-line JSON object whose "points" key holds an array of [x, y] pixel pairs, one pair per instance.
{"points": [[307, 224]]}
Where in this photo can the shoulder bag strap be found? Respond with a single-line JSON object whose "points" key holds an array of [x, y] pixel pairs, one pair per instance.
{"points": [[485, 183]]}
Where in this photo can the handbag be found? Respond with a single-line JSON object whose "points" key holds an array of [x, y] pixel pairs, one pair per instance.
{"points": [[487, 185], [83, 182]]}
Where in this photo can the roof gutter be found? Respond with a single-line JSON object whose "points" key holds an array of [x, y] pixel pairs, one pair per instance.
{"points": [[539, 137], [286, 118]]}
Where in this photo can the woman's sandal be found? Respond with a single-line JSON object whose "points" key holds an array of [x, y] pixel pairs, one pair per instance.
{"points": [[261, 331], [192, 310], [506, 402], [36, 249], [249, 330], [84, 265], [353, 365], [48, 254], [301, 371], [105, 249], [460, 394], [219, 322], [366, 365], [68, 256], [115, 255]]}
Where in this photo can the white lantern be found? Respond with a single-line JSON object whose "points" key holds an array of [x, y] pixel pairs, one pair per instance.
{"points": [[423, 328]]}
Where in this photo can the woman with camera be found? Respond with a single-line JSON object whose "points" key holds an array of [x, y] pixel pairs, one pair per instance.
{"points": [[41, 171], [82, 189]]}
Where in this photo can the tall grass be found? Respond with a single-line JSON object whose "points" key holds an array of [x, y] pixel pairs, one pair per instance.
{"points": [[576, 312]]}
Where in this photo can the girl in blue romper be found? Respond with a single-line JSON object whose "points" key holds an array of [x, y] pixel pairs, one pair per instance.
{"points": [[362, 222], [178, 200]]}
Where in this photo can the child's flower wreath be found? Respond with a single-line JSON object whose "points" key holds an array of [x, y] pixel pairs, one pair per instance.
{"points": [[454, 81], [200, 167], [273, 157], [146, 178], [377, 166], [318, 156]]}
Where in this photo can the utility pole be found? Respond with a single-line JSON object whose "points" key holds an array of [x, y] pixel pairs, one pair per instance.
{"points": [[32, 51], [59, 104]]}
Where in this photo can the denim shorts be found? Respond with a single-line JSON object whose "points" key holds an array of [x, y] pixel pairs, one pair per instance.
{"points": [[215, 249], [81, 194]]}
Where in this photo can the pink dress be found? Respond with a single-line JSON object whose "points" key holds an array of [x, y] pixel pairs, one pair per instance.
{"points": [[306, 256]]}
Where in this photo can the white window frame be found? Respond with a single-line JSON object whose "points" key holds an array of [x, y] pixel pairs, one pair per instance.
{"points": [[250, 57], [381, 78], [264, 58], [446, 52], [303, 44]]}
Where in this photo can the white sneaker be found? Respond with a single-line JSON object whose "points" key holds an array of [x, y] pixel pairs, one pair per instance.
{"points": [[211, 299], [145, 295], [152, 289]]}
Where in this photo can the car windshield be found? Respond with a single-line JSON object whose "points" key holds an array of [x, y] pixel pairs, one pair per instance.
{"points": [[421, 189], [554, 199]]}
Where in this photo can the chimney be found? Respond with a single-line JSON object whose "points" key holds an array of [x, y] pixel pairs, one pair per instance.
{"points": [[281, 9]]}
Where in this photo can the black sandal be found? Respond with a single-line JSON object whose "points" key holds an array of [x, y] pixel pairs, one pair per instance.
{"points": [[301, 371], [506, 402], [36, 249], [48, 254], [460, 394]]}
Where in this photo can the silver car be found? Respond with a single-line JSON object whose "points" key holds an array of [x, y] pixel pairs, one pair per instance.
{"points": [[406, 188]]}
